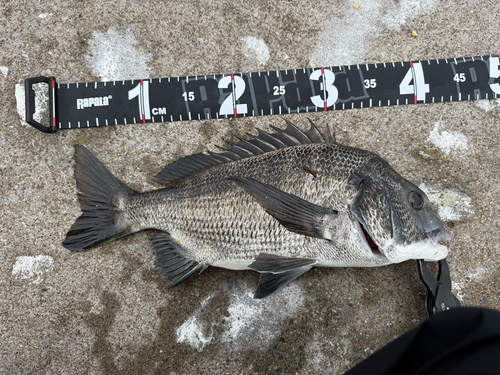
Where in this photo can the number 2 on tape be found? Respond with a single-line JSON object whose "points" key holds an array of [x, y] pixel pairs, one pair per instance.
{"points": [[229, 106]]}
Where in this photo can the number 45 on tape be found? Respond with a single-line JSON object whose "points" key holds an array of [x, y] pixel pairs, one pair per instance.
{"points": [[94, 104]]}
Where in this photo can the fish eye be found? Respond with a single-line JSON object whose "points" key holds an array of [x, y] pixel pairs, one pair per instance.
{"points": [[416, 201]]}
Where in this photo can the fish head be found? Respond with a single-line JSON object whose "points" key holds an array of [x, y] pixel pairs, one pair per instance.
{"points": [[395, 216]]}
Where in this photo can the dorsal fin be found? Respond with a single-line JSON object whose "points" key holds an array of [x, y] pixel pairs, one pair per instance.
{"points": [[260, 144]]}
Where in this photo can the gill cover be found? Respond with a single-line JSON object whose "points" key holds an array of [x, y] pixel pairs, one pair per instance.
{"points": [[371, 207]]}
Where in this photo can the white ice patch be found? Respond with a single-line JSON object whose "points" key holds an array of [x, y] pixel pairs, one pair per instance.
{"points": [[451, 204], [20, 103], [475, 274], [251, 324], [256, 49], [456, 288], [115, 56], [342, 40], [447, 140], [255, 323], [4, 71], [193, 331], [41, 102], [44, 15], [32, 267], [488, 105]]}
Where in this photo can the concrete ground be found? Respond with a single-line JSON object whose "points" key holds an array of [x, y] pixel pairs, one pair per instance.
{"points": [[108, 310]]}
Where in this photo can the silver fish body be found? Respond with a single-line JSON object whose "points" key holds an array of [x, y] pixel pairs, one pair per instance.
{"points": [[279, 204]]}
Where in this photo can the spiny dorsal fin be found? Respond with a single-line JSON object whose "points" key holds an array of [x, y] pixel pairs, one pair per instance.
{"points": [[262, 143]]}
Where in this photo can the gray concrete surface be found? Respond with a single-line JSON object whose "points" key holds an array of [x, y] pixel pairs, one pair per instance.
{"points": [[108, 310]]}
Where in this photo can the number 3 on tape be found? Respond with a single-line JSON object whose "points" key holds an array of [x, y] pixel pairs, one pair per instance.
{"points": [[77, 105]]}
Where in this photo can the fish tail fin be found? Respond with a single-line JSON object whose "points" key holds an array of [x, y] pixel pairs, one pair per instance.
{"points": [[101, 194]]}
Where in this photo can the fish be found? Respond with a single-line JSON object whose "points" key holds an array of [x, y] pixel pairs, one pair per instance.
{"points": [[277, 203]]}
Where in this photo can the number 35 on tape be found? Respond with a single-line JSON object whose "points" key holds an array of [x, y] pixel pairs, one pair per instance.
{"points": [[82, 105]]}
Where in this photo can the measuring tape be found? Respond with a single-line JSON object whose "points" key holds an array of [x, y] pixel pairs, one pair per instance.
{"points": [[96, 104]]}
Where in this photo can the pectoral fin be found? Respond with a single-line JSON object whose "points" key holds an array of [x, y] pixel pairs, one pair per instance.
{"points": [[294, 213], [277, 272]]}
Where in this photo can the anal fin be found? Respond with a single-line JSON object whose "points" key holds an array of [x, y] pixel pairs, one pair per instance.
{"points": [[173, 262], [274, 282], [278, 271]]}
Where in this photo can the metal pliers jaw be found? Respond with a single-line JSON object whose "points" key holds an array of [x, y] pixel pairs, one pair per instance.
{"points": [[439, 295]]}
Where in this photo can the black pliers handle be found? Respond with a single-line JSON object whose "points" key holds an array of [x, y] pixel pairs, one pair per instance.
{"points": [[439, 295]]}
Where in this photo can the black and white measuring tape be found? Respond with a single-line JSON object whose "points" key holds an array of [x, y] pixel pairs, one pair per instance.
{"points": [[84, 105]]}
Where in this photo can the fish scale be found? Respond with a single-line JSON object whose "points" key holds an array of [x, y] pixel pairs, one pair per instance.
{"points": [[278, 204]]}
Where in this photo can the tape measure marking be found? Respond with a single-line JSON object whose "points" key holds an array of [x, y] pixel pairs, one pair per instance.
{"points": [[273, 92]]}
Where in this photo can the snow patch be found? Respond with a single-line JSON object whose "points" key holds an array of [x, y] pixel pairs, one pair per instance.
{"points": [[475, 274], [44, 15], [343, 39], [192, 331], [4, 71], [32, 267], [251, 324], [451, 204], [20, 103], [255, 323], [256, 49], [115, 56], [447, 140], [488, 105], [457, 289]]}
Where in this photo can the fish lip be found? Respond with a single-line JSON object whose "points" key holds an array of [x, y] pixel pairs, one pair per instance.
{"points": [[438, 235]]}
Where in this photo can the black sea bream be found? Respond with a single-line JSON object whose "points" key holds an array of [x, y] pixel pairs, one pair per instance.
{"points": [[278, 204]]}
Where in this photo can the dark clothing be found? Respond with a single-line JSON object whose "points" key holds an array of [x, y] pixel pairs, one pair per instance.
{"points": [[461, 341]]}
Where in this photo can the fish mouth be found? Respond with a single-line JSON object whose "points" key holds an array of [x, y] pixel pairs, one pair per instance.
{"points": [[438, 235]]}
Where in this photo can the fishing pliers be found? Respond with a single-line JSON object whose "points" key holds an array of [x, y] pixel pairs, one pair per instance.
{"points": [[439, 295]]}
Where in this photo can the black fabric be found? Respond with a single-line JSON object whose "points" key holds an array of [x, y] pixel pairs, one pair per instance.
{"points": [[462, 341]]}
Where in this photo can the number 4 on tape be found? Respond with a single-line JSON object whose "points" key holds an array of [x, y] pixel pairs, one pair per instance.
{"points": [[83, 105]]}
